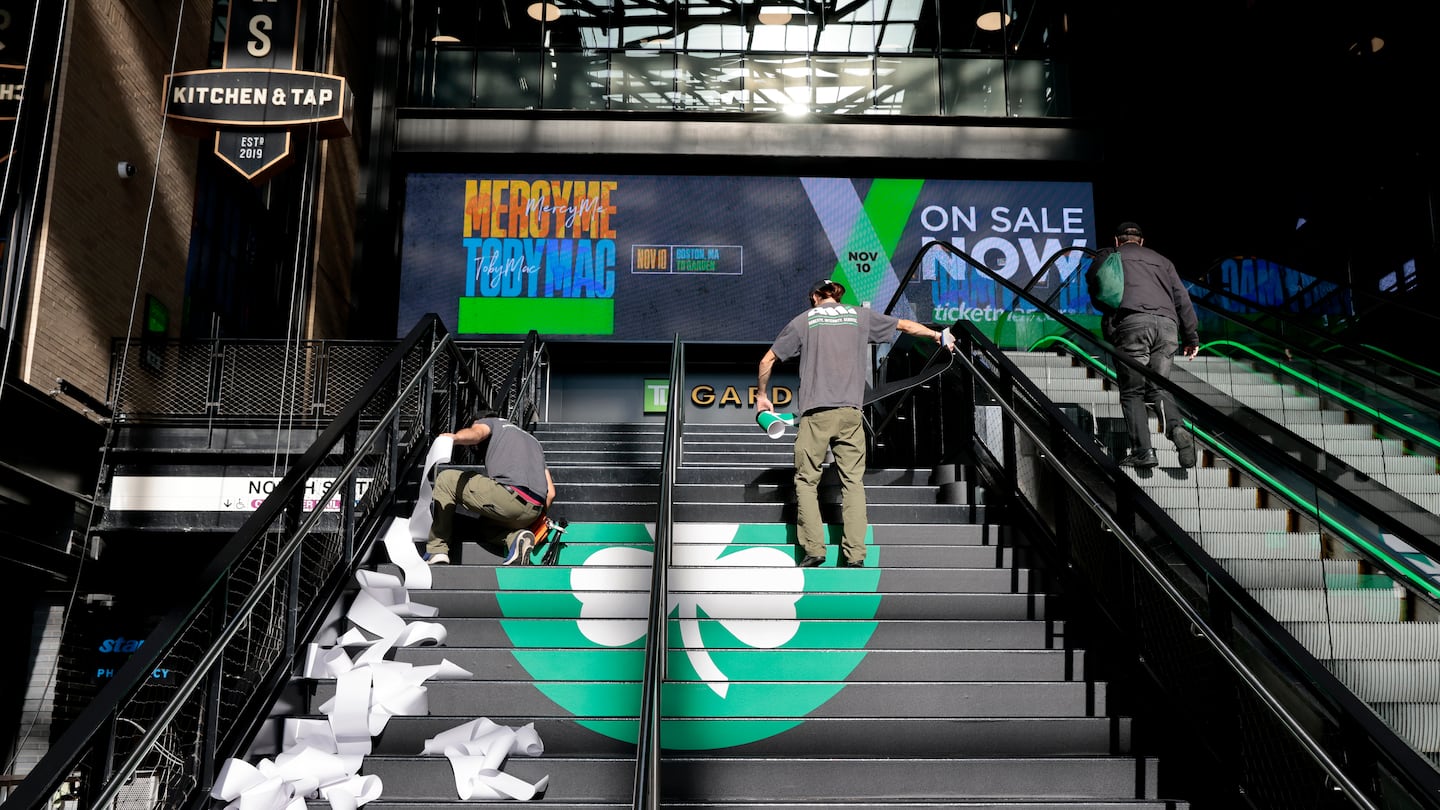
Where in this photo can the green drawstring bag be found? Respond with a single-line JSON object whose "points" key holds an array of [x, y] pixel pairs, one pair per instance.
{"points": [[1109, 286]]}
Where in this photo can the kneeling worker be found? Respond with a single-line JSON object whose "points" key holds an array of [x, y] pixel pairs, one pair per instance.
{"points": [[509, 498]]}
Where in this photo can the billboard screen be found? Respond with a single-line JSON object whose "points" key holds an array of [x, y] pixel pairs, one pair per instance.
{"points": [[724, 259]]}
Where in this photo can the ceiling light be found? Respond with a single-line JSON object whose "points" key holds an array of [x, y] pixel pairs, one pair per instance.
{"points": [[992, 21], [545, 12], [774, 15], [444, 38]]}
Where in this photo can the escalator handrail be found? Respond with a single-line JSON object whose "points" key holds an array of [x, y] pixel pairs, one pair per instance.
{"points": [[1403, 568], [1325, 683], [1372, 355], [1367, 352], [1393, 563]]}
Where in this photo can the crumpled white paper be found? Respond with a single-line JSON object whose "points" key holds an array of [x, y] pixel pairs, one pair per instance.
{"points": [[323, 757], [477, 751], [401, 535], [283, 783]]}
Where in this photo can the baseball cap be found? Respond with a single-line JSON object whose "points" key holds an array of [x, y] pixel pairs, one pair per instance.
{"points": [[1129, 229]]}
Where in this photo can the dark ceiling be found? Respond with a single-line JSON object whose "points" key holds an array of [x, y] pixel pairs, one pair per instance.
{"points": [[1229, 122]]}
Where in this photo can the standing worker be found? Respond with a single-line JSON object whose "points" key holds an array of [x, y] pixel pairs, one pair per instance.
{"points": [[1154, 312], [509, 498], [832, 341]]}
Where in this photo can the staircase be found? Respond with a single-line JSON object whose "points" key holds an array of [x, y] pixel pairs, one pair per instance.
{"points": [[938, 675], [1352, 618]]}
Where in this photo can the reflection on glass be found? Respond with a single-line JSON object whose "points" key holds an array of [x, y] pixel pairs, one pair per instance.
{"points": [[710, 82], [906, 85], [574, 81], [974, 86], [641, 80], [778, 83], [897, 40], [451, 83], [508, 79], [841, 84]]}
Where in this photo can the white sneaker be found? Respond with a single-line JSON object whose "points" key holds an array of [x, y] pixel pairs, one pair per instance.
{"points": [[520, 549], [437, 559]]}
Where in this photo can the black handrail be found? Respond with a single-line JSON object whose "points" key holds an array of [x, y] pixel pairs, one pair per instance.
{"points": [[1274, 459], [1214, 419], [998, 370], [1369, 354], [647, 795], [520, 397], [92, 733], [1376, 303], [1366, 371]]}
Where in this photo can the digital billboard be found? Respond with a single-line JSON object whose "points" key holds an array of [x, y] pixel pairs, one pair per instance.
{"points": [[724, 259]]}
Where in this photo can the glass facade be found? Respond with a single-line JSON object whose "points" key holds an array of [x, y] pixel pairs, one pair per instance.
{"points": [[836, 57]]}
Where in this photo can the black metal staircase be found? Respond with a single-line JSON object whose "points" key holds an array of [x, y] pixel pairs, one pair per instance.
{"points": [[938, 674]]}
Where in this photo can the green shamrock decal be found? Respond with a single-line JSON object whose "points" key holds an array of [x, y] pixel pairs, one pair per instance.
{"points": [[745, 662]]}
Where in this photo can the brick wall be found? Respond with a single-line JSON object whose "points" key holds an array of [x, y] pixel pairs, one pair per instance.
{"points": [[103, 242], [337, 210]]}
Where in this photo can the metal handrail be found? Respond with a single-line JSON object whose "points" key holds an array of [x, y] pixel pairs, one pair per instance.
{"points": [[94, 730], [976, 343], [1390, 523], [1403, 569], [520, 386], [647, 794]]}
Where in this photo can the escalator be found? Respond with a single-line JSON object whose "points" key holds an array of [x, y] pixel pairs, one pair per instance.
{"points": [[1303, 496]]}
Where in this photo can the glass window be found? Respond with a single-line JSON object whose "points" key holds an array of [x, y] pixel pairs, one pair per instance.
{"points": [[508, 80], [452, 84], [740, 55], [841, 84], [711, 82], [906, 85], [778, 83], [574, 80], [642, 80], [705, 25], [972, 85], [1038, 88]]}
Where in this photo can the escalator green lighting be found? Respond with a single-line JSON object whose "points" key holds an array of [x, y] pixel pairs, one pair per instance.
{"points": [[1350, 402], [1234, 457]]}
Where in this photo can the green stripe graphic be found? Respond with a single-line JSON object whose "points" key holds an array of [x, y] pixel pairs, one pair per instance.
{"points": [[888, 207], [549, 316]]}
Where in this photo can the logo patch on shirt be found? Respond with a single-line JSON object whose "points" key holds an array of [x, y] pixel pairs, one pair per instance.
{"points": [[833, 316]]}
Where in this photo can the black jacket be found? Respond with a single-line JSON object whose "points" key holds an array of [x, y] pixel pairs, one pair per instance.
{"points": [[1151, 285]]}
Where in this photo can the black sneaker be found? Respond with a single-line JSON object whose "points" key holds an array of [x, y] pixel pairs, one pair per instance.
{"points": [[855, 564], [1141, 460], [1184, 447], [811, 561]]}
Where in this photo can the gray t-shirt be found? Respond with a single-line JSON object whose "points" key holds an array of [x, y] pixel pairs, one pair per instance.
{"points": [[514, 457], [832, 342]]}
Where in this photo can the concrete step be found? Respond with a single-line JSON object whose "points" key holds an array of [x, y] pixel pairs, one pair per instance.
{"points": [[746, 780], [934, 634], [464, 603], [787, 665], [703, 578], [824, 736], [932, 699]]}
